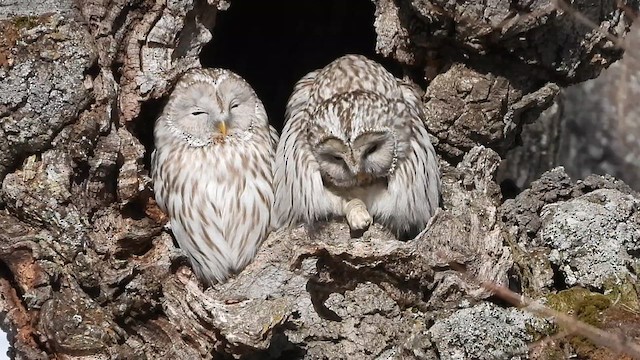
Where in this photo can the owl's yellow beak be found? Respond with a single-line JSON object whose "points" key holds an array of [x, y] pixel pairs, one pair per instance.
{"points": [[223, 128]]}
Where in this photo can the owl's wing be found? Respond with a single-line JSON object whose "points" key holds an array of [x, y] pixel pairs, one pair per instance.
{"points": [[300, 193], [412, 96], [274, 136], [414, 189], [300, 96], [157, 182]]}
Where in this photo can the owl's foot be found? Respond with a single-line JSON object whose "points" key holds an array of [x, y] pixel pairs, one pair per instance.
{"points": [[357, 215]]}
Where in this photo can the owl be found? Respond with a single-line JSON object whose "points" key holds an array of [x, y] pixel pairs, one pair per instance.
{"points": [[212, 170], [354, 145]]}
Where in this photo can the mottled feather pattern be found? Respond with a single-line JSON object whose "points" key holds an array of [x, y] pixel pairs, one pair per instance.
{"points": [[300, 194], [353, 141], [348, 98], [218, 193]]}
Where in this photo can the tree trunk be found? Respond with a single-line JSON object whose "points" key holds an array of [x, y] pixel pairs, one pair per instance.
{"points": [[592, 128], [89, 272]]}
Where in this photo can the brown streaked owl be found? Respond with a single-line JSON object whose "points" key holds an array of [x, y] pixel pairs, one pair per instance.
{"points": [[212, 170], [354, 144]]}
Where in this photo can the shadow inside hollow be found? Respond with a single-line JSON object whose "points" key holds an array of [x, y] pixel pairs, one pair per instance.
{"points": [[273, 44]]}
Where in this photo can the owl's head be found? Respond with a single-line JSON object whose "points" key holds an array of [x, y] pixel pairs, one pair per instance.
{"points": [[208, 105], [359, 137]]}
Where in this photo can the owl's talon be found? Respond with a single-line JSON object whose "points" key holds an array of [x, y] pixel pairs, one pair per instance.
{"points": [[357, 215], [359, 219]]}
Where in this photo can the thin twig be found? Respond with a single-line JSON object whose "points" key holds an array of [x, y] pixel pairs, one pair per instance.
{"points": [[628, 10], [619, 342], [549, 339], [561, 5], [615, 342]]}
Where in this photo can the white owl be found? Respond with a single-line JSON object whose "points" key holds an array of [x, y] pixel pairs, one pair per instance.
{"points": [[354, 144], [212, 170]]}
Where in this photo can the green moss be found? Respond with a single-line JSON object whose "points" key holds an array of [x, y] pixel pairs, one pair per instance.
{"points": [[581, 303], [589, 307], [623, 294], [25, 22], [553, 353]]}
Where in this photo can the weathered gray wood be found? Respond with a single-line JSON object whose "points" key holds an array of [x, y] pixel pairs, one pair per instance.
{"points": [[592, 128]]}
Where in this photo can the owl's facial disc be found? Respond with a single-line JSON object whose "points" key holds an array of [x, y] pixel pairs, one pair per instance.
{"points": [[194, 114], [208, 112], [359, 163], [335, 162], [376, 153], [236, 106]]}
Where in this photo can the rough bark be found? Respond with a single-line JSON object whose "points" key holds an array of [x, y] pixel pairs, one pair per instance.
{"points": [[499, 63], [89, 271], [592, 128]]}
